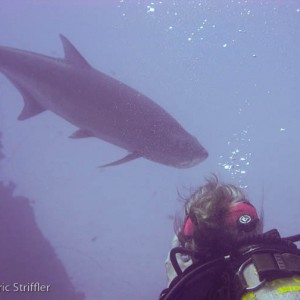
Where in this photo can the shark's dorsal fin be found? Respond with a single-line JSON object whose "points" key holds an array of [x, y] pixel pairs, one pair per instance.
{"points": [[127, 158], [72, 55]]}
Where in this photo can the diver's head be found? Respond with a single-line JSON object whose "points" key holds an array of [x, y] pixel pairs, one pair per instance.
{"points": [[216, 215]]}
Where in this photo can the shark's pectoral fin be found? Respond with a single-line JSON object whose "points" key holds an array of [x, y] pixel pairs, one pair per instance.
{"points": [[127, 158], [31, 106], [81, 133], [72, 55]]}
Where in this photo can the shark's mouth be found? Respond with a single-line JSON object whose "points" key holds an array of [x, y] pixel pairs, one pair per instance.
{"points": [[189, 163], [192, 162]]}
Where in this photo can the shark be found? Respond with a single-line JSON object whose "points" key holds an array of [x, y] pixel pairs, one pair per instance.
{"points": [[99, 106]]}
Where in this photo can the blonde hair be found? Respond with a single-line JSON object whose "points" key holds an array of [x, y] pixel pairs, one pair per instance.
{"points": [[207, 208]]}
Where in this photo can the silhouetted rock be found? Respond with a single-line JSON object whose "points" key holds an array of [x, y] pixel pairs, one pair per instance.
{"points": [[1, 146], [27, 260]]}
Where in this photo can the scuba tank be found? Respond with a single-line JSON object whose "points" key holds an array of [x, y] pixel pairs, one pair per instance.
{"points": [[284, 288], [259, 267]]}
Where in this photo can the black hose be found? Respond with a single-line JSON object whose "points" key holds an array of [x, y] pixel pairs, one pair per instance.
{"points": [[199, 270], [293, 238]]}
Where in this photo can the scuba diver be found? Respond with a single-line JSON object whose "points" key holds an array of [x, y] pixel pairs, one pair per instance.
{"points": [[220, 251]]}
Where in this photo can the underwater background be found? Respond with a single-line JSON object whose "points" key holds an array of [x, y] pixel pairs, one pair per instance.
{"points": [[228, 71]]}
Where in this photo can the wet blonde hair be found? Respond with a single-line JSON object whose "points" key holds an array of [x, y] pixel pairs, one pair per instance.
{"points": [[207, 208]]}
